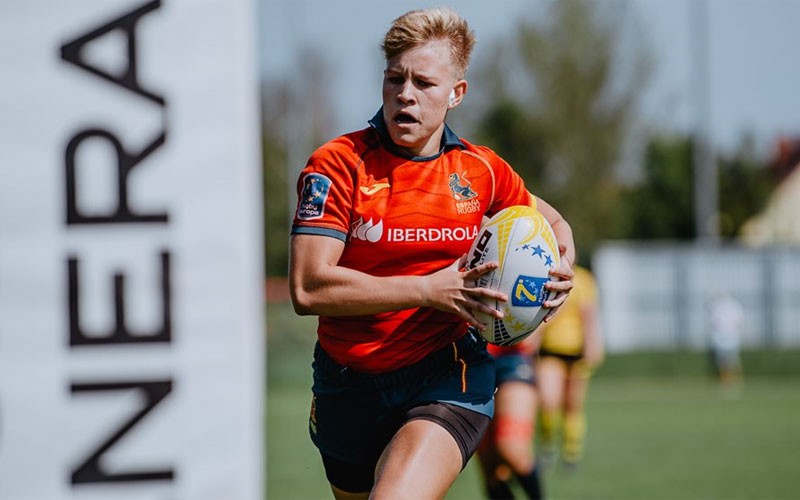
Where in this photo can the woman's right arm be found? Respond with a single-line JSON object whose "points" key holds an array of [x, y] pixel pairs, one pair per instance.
{"points": [[319, 286]]}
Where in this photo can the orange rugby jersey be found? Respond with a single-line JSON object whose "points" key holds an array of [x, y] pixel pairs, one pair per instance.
{"points": [[398, 215]]}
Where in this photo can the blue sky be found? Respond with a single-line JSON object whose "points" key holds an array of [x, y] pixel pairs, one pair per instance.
{"points": [[753, 79]]}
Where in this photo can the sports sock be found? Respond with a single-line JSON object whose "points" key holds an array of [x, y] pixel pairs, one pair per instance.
{"points": [[548, 428], [531, 484], [499, 490], [574, 434]]}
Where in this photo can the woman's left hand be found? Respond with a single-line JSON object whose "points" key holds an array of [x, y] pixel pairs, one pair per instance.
{"points": [[562, 285]]}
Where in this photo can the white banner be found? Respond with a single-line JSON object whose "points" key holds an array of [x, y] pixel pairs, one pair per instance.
{"points": [[131, 313]]}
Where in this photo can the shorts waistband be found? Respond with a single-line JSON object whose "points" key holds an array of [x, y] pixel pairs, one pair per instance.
{"points": [[437, 362]]}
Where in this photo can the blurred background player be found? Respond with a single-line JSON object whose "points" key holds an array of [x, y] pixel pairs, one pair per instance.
{"points": [[506, 451], [571, 347], [725, 318]]}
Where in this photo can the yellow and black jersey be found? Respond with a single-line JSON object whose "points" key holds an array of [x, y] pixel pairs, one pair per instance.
{"points": [[564, 334]]}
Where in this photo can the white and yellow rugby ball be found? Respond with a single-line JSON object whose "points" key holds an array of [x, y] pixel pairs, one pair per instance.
{"points": [[523, 243]]}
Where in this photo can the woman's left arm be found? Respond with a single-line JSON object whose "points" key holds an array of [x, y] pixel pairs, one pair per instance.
{"points": [[566, 247]]}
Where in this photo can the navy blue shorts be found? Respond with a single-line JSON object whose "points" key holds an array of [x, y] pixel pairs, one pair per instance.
{"points": [[354, 415], [514, 367]]}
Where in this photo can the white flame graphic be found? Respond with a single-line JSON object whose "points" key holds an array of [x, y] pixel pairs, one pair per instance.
{"points": [[368, 231]]}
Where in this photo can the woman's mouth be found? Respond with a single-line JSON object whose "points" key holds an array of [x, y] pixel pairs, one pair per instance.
{"points": [[404, 118]]}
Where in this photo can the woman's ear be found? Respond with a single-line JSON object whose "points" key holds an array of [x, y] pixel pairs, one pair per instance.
{"points": [[457, 94]]}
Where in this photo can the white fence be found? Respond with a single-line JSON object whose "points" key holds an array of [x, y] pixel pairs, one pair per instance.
{"points": [[656, 296]]}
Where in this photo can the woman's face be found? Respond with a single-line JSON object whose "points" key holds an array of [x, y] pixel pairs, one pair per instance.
{"points": [[416, 90]]}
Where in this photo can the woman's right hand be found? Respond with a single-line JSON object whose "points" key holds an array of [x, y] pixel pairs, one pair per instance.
{"points": [[454, 289]]}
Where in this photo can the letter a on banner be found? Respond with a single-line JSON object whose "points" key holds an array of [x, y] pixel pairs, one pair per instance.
{"points": [[72, 51]]}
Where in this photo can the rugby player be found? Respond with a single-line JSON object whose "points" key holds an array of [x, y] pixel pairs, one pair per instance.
{"points": [[506, 451], [571, 348], [402, 383]]}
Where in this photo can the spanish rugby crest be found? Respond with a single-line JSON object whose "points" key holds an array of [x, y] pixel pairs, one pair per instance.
{"points": [[465, 196], [460, 186]]}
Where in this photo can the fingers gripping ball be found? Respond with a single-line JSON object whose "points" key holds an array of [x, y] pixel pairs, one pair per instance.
{"points": [[523, 243]]}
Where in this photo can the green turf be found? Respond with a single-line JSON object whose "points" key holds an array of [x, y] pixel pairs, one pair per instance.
{"points": [[658, 428]]}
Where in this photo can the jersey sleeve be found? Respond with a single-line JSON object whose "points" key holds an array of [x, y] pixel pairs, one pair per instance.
{"points": [[325, 194], [509, 189]]}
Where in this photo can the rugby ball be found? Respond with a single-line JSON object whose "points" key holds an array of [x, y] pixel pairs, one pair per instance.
{"points": [[523, 243]]}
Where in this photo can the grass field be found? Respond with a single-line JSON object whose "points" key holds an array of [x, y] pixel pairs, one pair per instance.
{"points": [[659, 428]]}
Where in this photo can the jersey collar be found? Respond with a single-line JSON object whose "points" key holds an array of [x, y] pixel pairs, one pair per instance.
{"points": [[449, 139]]}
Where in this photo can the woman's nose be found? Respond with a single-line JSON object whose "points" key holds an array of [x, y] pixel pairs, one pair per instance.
{"points": [[406, 93]]}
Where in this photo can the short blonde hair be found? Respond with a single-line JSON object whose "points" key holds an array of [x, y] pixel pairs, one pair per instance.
{"points": [[417, 27]]}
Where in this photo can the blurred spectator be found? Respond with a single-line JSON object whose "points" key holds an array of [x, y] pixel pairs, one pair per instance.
{"points": [[726, 317]]}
